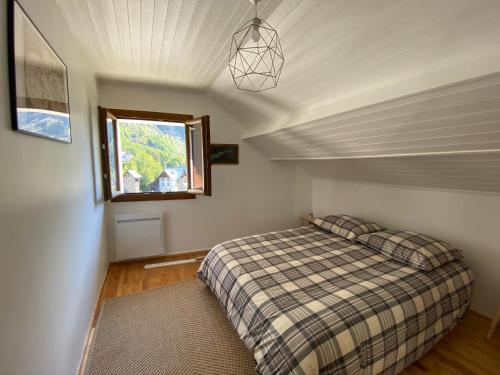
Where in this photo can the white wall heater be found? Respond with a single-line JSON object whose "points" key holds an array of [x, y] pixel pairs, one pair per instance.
{"points": [[139, 235]]}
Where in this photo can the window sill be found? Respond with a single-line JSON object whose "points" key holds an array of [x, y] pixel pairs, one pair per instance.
{"points": [[138, 197]]}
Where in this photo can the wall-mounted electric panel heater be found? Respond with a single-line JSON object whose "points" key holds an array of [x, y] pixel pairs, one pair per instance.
{"points": [[139, 235]]}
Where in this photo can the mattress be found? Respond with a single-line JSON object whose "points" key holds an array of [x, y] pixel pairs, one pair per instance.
{"points": [[306, 301]]}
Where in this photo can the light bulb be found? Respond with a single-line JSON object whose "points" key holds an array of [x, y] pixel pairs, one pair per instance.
{"points": [[255, 34], [255, 29]]}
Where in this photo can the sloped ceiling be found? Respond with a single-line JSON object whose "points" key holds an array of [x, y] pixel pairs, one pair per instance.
{"points": [[457, 118], [364, 79], [174, 42], [342, 55], [448, 137], [470, 171]]}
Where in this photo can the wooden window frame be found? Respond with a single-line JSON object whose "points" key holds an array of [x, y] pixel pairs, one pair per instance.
{"points": [[204, 121], [106, 167], [118, 114]]}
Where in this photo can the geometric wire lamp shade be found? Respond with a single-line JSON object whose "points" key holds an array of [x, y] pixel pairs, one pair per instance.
{"points": [[256, 58]]}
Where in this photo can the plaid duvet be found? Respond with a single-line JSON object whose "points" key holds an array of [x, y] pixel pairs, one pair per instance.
{"points": [[309, 302]]}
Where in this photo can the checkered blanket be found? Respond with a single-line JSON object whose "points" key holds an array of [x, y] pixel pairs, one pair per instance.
{"points": [[309, 302]]}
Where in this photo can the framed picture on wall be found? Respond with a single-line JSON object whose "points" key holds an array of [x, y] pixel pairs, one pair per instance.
{"points": [[221, 153], [38, 81]]}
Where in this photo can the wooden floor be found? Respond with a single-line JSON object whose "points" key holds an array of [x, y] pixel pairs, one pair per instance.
{"points": [[125, 278], [463, 351]]}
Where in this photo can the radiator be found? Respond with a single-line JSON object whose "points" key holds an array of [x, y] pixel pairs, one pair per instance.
{"points": [[139, 235]]}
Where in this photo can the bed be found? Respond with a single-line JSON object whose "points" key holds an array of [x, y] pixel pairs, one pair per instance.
{"points": [[306, 301]]}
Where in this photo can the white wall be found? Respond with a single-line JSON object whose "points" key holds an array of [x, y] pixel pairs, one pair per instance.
{"points": [[470, 221], [52, 230], [255, 196]]}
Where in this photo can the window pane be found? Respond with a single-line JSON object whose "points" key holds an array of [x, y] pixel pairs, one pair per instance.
{"points": [[112, 153], [196, 149], [153, 156], [198, 144]]}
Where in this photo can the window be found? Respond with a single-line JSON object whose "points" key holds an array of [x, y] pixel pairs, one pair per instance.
{"points": [[154, 156]]}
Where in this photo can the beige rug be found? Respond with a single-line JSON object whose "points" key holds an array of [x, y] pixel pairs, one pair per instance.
{"points": [[179, 329]]}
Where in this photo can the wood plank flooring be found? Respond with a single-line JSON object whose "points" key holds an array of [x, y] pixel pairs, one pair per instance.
{"points": [[129, 277], [463, 351]]}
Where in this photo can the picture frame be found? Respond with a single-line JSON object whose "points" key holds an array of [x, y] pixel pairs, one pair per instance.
{"points": [[38, 80], [224, 153]]}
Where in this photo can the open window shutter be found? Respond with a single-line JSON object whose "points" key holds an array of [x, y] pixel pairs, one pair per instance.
{"points": [[198, 155], [110, 152]]}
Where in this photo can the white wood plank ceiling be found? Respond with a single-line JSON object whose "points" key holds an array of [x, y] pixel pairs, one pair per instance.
{"points": [[343, 55], [448, 137], [457, 118], [362, 79], [334, 49], [467, 172], [176, 42]]}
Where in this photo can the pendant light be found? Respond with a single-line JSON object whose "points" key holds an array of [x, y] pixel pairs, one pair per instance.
{"points": [[256, 58]]}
